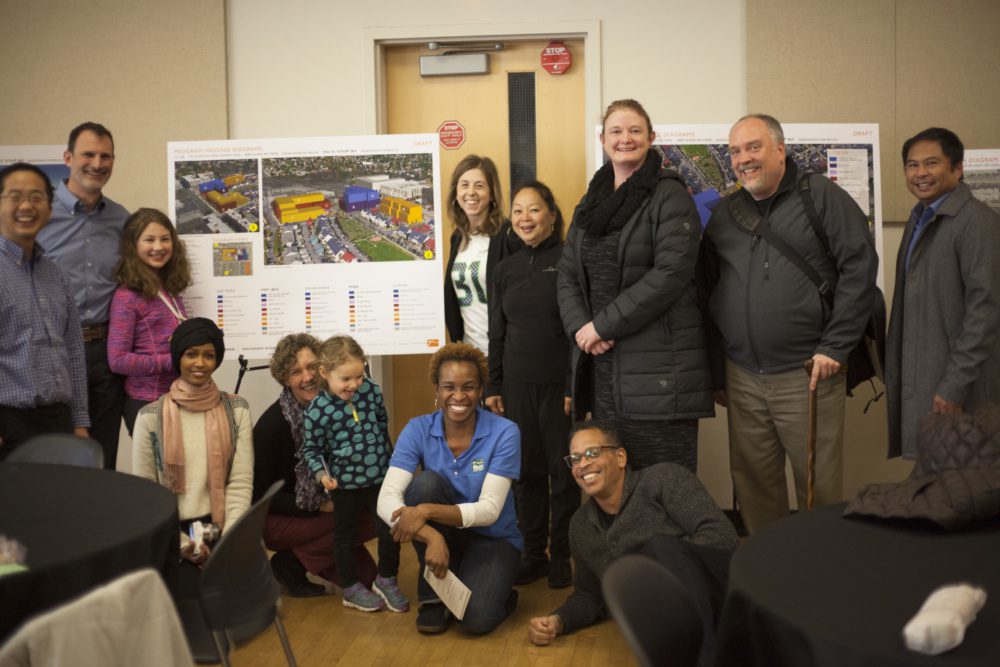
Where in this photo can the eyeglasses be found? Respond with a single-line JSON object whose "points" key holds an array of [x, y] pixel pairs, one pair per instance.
{"points": [[591, 453], [16, 198]]}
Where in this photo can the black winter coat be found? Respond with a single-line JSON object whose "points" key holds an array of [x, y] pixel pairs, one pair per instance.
{"points": [[660, 361]]}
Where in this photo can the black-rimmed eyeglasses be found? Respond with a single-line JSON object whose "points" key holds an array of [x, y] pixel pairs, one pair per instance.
{"points": [[590, 452]]}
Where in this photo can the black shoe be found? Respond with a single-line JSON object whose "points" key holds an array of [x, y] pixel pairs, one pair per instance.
{"points": [[531, 569], [510, 604], [560, 574], [291, 574], [433, 618]]}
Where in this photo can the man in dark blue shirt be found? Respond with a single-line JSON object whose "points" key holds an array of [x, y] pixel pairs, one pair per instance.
{"points": [[83, 239]]}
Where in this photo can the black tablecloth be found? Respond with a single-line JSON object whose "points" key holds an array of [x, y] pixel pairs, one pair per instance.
{"points": [[819, 589], [81, 528]]}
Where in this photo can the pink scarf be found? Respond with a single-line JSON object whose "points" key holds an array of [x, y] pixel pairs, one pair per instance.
{"points": [[218, 440]]}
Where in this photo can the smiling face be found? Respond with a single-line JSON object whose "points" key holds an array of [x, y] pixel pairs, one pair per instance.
{"points": [[90, 164], [929, 173], [626, 139], [21, 222], [757, 159], [531, 217], [343, 380], [302, 377], [473, 196], [603, 477], [197, 364], [155, 246], [458, 391]]}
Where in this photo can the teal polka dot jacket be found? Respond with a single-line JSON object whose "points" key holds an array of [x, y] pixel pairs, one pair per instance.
{"points": [[350, 436]]}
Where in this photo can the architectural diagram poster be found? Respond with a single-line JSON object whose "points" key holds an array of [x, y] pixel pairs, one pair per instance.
{"points": [[324, 235], [845, 153], [982, 175], [49, 158]]}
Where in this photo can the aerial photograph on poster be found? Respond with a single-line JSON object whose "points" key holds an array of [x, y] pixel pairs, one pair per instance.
{"points": [[982, 175], [216, 197], [348, 208]]}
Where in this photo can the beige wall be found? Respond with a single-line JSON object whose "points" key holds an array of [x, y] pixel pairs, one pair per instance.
{"points": [[150, 71], [904, 64]]}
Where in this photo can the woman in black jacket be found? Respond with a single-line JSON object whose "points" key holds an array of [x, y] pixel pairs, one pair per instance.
{"points": [[299, 527], [640, 360], [529, 364], [480, 240]]}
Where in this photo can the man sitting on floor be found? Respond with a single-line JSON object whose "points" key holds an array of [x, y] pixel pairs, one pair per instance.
{"points": [[662, 511]]}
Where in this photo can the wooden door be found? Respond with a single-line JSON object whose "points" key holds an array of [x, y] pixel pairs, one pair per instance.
{"points": [[482, 105]]}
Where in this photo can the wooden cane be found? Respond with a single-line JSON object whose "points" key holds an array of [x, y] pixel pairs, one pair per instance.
{"points": [[811, 442]]}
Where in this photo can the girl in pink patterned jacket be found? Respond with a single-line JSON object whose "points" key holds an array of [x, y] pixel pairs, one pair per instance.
{"points": [[146, 308]]}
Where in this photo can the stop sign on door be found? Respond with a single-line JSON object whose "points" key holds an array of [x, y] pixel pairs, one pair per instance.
{"points": [[451, 134], [556, 58]]}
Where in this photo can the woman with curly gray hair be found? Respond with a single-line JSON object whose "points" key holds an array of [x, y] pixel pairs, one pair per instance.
{"points": [[299, 525]]}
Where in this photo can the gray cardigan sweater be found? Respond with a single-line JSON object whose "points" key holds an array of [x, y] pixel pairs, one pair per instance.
{"points": [[663, 499]]}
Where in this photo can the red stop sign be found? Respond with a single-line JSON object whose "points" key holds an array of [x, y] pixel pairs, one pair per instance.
{"points": [[556, 58], [451, 133]]}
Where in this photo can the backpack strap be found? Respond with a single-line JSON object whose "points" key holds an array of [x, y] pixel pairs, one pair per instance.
{"points": [[753, 223]]}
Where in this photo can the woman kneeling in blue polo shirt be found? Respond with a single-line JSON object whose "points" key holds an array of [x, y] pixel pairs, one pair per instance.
{"points": [[459, 512]]}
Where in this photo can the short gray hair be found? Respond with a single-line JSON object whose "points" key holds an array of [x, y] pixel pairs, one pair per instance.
{"points": [[773, 126]]}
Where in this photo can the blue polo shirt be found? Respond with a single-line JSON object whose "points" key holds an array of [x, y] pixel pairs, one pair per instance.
{"points": [[495, 448]]}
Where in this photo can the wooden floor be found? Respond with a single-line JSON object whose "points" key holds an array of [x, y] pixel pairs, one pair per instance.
{"points": [[323, 632]]}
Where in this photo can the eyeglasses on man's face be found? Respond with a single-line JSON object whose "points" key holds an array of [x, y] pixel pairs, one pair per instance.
{"points": [[15, 198], [591, 453]]}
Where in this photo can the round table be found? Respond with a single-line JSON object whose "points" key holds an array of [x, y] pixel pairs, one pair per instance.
{"points": [[82, 528], [820, 589]]}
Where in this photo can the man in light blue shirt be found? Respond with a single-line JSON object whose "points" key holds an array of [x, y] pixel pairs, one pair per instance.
{"points": [[43, 385], [83, 239]]}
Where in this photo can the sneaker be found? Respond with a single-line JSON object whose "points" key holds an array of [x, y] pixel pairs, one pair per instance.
{"points": [[291, 574], [433, 618], [388, 590], [531, 569], [358, 596], [560, 574]]}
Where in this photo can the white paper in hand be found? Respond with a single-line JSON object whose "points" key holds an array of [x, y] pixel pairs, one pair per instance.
{"points": [[453, 593]]}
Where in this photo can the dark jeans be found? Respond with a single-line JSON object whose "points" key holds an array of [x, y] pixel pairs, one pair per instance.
{"points": [[20, 424], [105, 396], [704, 573], [347, 506], [545, 482], [487, 565], [130, 410]]}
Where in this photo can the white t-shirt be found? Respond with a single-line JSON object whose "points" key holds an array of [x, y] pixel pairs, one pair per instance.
{"points": [[468, 275]]}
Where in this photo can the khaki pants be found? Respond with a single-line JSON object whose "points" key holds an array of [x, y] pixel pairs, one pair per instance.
{"points": [[768, 421]]}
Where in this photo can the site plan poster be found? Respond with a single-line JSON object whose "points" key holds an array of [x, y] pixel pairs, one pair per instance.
{"points": [[48, 158], [982, 175], [323, 235], [845, 153]]}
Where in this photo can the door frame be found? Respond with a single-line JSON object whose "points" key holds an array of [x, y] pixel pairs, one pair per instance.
{"points": [[375, 40]]}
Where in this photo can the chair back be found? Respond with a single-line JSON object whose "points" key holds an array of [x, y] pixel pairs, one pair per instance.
{"points": [[62, 448], [237, 585], [655, 614]]}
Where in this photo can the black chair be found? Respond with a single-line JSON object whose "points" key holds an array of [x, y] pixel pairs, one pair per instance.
{"points": [[238, 596], [654, 612], [64, 448]]}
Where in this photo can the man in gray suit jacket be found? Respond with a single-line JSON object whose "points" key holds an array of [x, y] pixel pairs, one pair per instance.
{"points": [[944, 328]]}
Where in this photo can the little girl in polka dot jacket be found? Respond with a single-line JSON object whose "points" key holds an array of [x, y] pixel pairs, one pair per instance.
{"points": [[347, 448]]}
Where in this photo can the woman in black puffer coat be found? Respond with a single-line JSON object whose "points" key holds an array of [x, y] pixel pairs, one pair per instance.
{"points": [[627, 297]]}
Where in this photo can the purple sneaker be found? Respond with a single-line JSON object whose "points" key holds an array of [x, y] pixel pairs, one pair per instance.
{"points": [[359, 597], [388, 589]]}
